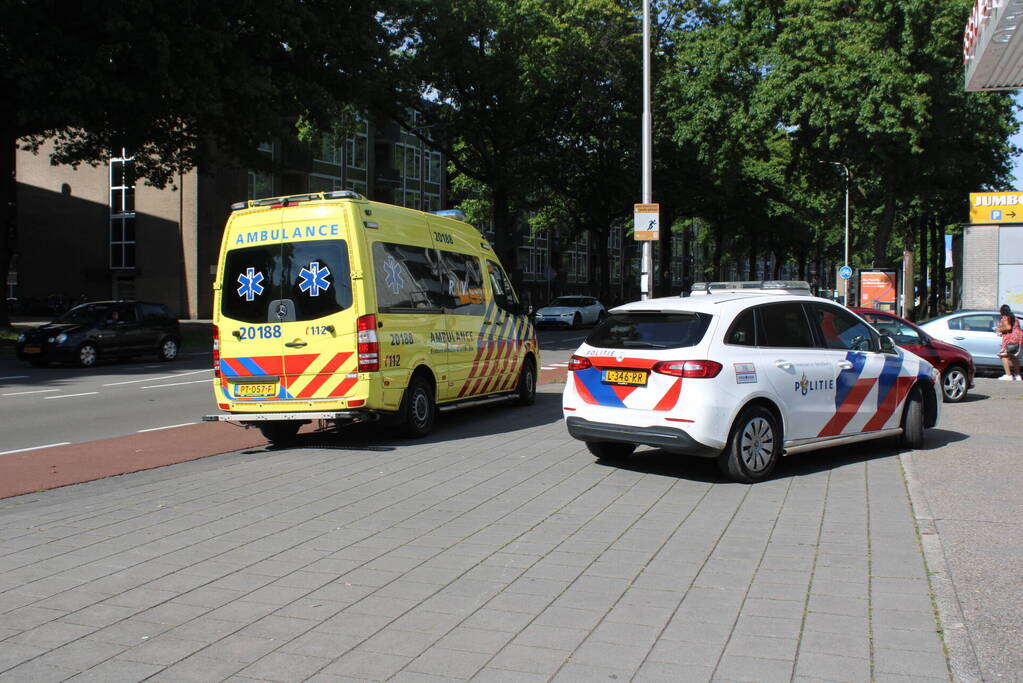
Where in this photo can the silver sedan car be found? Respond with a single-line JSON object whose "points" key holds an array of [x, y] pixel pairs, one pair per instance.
{"points": [[973, 331]]}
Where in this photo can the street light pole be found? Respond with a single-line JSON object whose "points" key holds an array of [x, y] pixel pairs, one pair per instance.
{"points": [[646, 265], [845, 294]]}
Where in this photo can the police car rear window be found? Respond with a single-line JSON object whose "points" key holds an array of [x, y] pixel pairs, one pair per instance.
{"points": [[650, 330]]}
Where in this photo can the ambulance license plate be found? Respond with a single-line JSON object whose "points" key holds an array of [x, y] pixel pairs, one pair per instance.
{"points": [[254, 389], [631, 377], [32, 349]]}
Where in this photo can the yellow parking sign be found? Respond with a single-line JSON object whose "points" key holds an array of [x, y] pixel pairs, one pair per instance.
{"points": [[646, 225]]}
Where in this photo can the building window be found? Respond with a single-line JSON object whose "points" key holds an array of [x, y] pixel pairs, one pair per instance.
{"points": [[360, 186], [261, 183], [412, 199], [358, 144], [122, 213], [433, 170], [319, 182], [431, 201], [577, 256], [329, 151]]}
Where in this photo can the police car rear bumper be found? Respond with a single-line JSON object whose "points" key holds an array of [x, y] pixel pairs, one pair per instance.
{"points": [[670, 438]]}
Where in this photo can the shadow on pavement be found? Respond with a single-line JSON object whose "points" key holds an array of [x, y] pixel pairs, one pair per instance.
{"points": [[468, 423]]}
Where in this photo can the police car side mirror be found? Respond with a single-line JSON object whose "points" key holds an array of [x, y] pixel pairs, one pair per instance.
{"points": [[887, 345]]}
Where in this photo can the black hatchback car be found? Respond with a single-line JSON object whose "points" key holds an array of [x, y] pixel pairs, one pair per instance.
{"points": [[103, 329]]}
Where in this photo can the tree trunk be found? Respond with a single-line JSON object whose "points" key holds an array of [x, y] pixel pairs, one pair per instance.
{"points": [[718, 239], [504, 232], [884, 226], [664, 286], [9, 215], [923, 242], [604, 259], [940, 271], [937, 258]]}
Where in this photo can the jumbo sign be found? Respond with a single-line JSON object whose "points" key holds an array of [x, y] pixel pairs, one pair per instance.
{"points": [[996, 207]]}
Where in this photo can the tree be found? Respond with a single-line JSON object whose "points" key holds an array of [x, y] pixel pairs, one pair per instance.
{"points": [[169, 82]]}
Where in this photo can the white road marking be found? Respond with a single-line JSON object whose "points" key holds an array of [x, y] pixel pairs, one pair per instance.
{"points": [[87, 393], [176, 384], [157, 379], [35, 448], [156, 429], [35, 391], [15, 377]]}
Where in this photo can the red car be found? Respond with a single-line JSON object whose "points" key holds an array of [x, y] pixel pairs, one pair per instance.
{"points": [[954, 363]]}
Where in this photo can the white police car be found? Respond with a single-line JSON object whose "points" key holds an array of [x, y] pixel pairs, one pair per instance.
{"points": [[745, 377]]}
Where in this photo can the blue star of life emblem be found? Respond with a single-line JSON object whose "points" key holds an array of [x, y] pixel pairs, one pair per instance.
{"points": [[392, 276], [250, 284], [314, 279]]}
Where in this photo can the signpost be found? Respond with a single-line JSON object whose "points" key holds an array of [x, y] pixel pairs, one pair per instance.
{"points": [[646, 221]]}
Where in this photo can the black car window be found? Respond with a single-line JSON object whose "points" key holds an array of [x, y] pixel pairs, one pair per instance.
{"points": [[155, 313], [649, 330], [743, 331], [86, 313], [318, 278], [841, 330], [125, 313], [784, 325]]}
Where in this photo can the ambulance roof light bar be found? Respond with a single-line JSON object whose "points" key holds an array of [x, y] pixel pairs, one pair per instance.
{"points": [[457, 214], [291, 200], [765, 286]]}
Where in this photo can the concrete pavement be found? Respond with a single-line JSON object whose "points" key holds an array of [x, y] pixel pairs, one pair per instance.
{"points": [[496, 549]]}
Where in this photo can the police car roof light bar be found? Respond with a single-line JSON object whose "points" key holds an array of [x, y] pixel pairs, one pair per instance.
{"points": [[768, 286]]}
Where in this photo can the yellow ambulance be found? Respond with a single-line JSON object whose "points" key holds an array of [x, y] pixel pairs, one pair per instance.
{"points": [[331, 307]]}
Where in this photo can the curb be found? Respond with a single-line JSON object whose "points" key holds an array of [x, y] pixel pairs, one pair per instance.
{"points": [[962, 656]]}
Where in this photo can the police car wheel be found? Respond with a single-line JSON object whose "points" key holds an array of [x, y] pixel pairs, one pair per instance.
{"points": [[168, 349], [279, 432], [754, 446], [610, 450], [527, 384], [418, 408], [913, 420], [87, 355]]}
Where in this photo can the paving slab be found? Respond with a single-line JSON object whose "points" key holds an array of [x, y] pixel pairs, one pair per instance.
{"points": [[497, 548]]}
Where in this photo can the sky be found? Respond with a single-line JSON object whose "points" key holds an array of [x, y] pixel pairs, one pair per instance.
{"points": [[1017, 140]]}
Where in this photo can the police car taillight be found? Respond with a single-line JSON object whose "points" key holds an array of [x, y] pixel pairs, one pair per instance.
{"points": [[576, 363], [369, 347], [216, 351], [688, 368]]}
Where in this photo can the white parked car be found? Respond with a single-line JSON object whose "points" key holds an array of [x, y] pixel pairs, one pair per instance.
{"points": [[744, 378], [571, 311], [973, 331]]}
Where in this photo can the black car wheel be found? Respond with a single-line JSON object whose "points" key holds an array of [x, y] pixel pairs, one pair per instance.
{"points": [[168, 349], [527, 384], [88, 354], [913, 420], [754, 446]]}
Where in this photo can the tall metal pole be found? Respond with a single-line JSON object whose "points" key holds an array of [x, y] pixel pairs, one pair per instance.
{"points": [[646, 267], [845, 295]]}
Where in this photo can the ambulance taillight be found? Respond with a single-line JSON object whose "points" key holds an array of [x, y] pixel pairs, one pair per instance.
{"points": [[369, 347], [216, 351]]}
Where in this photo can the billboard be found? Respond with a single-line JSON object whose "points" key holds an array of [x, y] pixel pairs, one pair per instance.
{"points": [[996, 207], [879, 289]]}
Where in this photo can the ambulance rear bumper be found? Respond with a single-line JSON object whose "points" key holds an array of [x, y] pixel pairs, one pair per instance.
{"points": [[305, 416]]}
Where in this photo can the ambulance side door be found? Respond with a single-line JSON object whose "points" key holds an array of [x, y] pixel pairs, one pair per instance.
{"points": [[462, 280]]}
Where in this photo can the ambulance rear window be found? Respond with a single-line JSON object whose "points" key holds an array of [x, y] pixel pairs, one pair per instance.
{"points": [[314, 277], [650, 330]]}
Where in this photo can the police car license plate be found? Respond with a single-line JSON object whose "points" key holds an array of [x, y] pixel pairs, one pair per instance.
{"points": [[254, 389], [32, 349], [630, 377]]}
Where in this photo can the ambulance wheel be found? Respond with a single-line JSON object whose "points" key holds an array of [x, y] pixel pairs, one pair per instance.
{"points": [[418, 408], [168, 349], [753, 447], [610, 450], [527, 384], [88, 354], [913, 420], [280, 432]]}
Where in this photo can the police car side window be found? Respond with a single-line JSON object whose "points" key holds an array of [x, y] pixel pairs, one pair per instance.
{"points": [[743, 330], [842, 330], [785, 325], [407, 278]]}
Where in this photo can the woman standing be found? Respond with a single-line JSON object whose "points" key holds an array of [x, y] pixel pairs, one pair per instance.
{"points": [[1012, 338]]}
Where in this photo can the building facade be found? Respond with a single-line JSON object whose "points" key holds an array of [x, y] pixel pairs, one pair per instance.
{"points": [[97, 233]]}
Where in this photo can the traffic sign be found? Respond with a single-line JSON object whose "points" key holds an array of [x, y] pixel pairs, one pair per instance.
{"points": [[845, 272], [647, 221]]}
